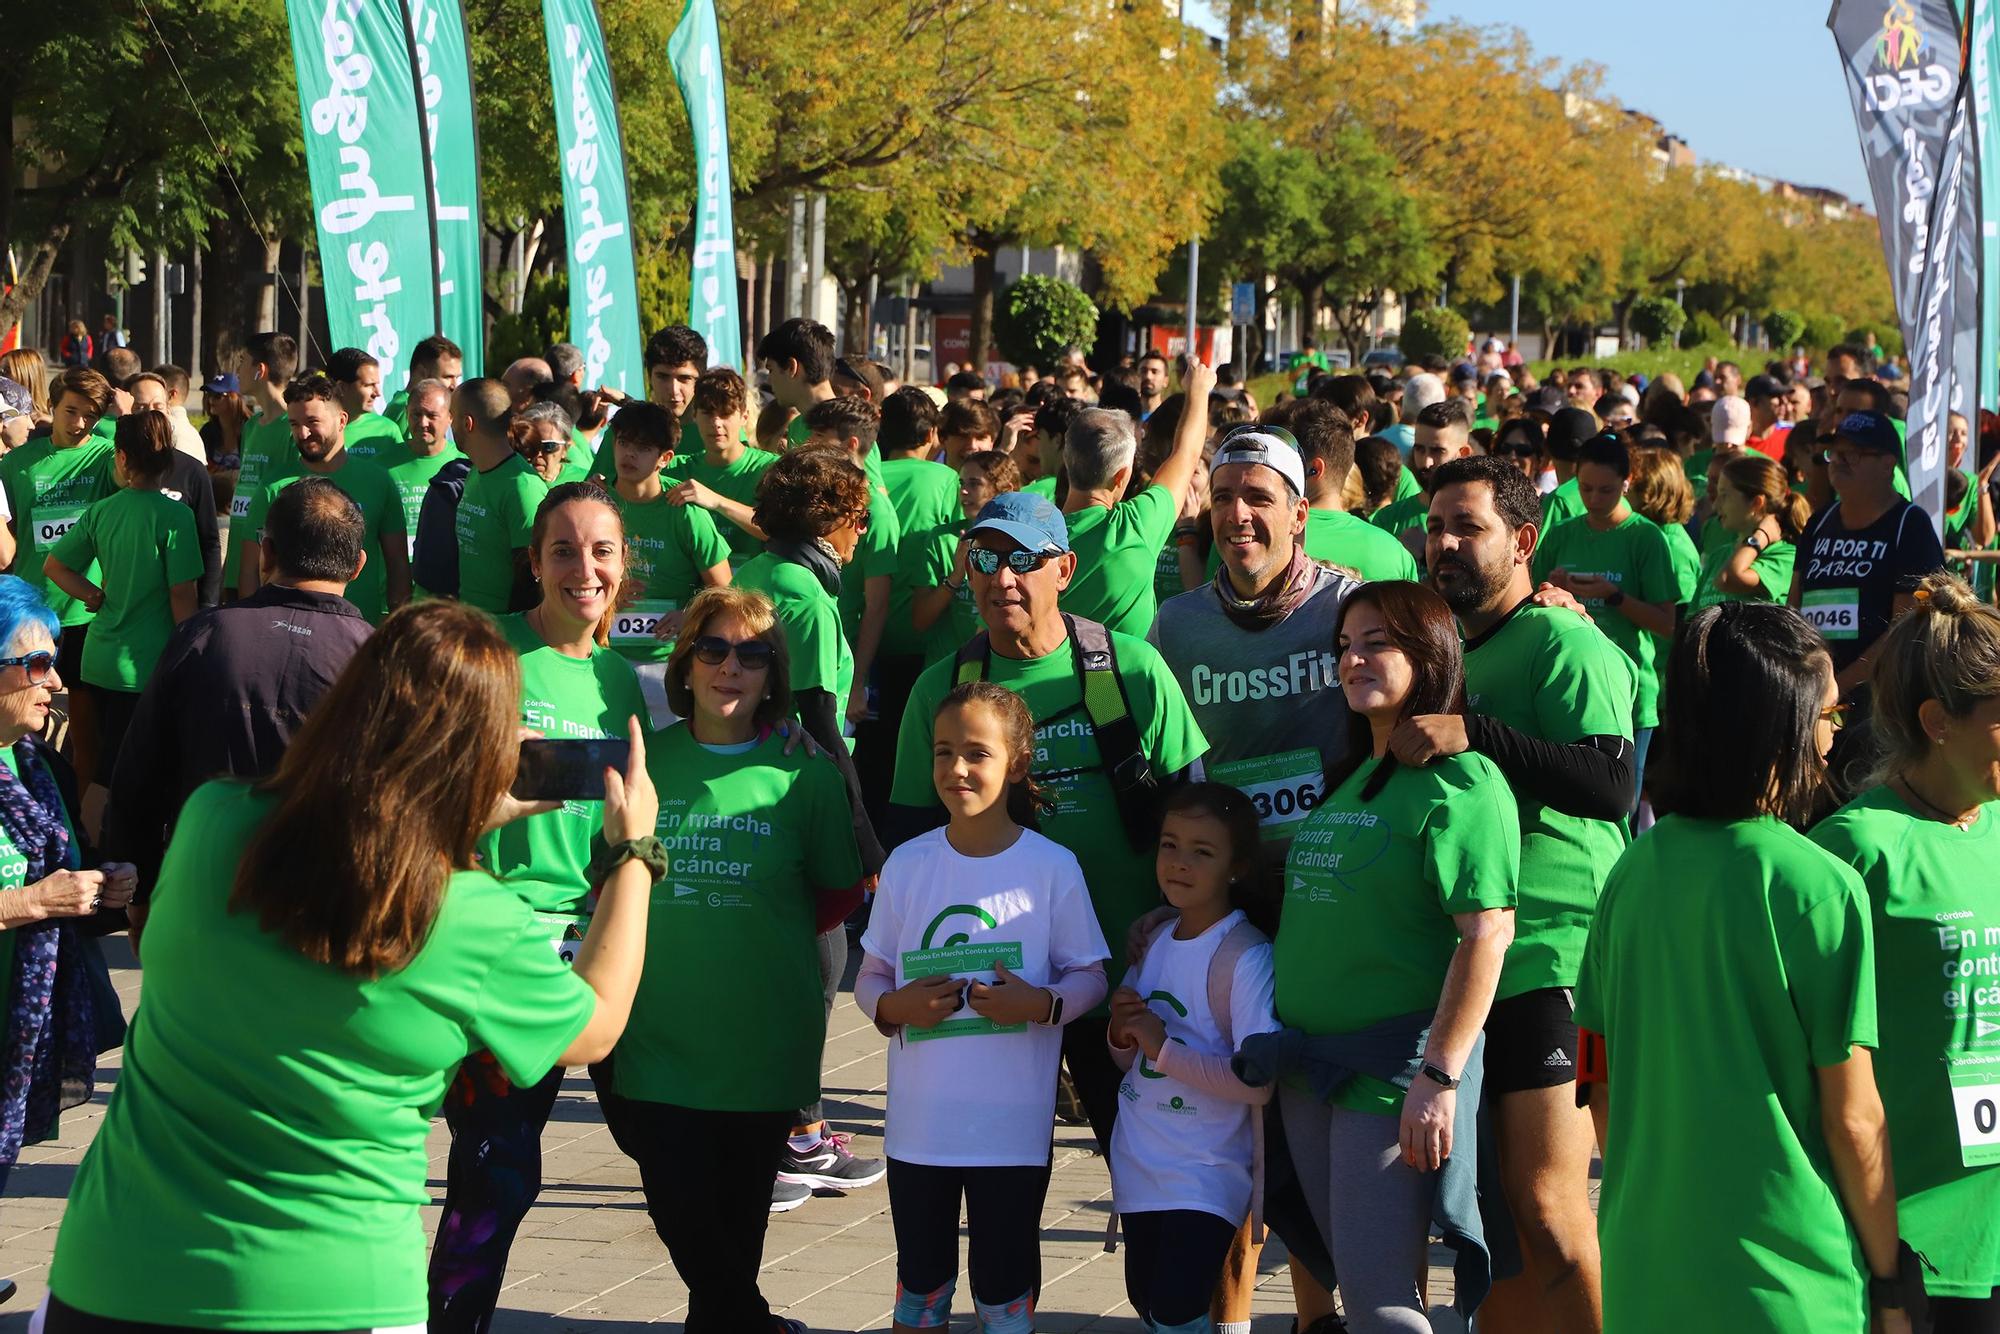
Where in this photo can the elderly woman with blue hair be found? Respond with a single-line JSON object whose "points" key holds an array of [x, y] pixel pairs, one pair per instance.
{"points": [[60, 1010]]}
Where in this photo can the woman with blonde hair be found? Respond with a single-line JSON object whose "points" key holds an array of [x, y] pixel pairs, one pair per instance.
{"points": [[1758, 520], [1658, 489], [322, 952], [1925, 839], [25, 367]]}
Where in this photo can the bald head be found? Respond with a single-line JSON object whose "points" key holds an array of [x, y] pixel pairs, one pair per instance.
{"points": [[479, 411], [523, 377]]}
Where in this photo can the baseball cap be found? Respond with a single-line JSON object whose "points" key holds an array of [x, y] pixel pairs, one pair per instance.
{"points": [[1026, 516], [862, 370], [224, 383], [1870, 431], [1764, 386], [1729, 421], [15, 400], [1465, 373], [1548, 399], [1272, 446], [1568, 430]]}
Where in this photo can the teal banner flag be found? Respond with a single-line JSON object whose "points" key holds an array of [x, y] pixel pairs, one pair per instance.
{"points": [[603, 285], [444, 81], [696, 52], [358, 103], [1986, 117]]}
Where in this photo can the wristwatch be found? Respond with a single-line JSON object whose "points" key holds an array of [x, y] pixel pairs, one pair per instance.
{"points": [[1615, 598], [1439, 1077], [1755, 542], [1055, 1010], [1885, 1294]]}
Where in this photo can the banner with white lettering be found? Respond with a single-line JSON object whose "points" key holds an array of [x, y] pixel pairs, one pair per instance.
{"points": [[358, 103], [696, 52], [444, 80], [1905, 77], [603, 284]]}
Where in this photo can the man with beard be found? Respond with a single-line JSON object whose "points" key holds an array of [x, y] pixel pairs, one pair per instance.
{"points": [[1550, 700], [1268, 617]]}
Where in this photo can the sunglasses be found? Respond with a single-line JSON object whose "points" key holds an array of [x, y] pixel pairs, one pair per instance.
{"points": [[544, 448], [39, 666], [1020, 562], [752, 655]]}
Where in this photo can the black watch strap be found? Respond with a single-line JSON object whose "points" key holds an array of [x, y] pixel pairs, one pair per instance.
{"points": [[1439, 1077]]}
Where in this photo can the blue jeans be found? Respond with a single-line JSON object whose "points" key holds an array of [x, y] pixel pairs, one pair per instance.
{"points": [[1642, 742]]}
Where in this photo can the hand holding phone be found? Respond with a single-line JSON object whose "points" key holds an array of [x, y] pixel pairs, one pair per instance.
{"points": [[568, 770]]}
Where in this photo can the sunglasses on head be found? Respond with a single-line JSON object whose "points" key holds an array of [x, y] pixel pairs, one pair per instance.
{"points": [[987, 561], [37, 665], [752, 655]]}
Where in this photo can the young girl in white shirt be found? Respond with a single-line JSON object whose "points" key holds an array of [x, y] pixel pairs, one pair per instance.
{"points": [[981, 944], [1182, 1150]]}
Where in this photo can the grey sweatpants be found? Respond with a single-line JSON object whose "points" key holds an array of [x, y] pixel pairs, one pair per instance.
{"points": [[1373, 1209]]}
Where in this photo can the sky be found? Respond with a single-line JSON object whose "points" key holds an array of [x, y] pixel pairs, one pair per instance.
{"points": [[1752, 84]]}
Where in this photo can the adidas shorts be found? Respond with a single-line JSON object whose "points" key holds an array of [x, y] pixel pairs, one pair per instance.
{"points": [[1531, 1041]]}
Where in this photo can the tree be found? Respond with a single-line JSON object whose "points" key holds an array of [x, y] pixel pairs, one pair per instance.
{"points": [[1783, 328], [1434, 331], [1658, 320], [1039, 317]]}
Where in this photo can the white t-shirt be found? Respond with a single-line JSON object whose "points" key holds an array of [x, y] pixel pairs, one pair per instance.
{"points": [[965, 1094], [1175, 1147]]}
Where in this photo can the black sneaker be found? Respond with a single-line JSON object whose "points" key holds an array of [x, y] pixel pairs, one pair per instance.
{"points": [[788, 1195], [828, 1165]]}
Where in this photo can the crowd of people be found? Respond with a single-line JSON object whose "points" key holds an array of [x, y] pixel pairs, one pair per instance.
{"points": [[1365, 810]]}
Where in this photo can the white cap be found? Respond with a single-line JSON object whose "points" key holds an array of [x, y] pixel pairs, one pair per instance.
{"points": [[1729, 421], [1273, 448]]}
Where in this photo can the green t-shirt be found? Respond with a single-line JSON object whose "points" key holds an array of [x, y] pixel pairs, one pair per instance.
{"points": [[925, 496], [1406, 514], [1044, 487], [821, 659], [1084, 817], [496, 516], [1729, 960], [48, 490], [371, 487], [1633, 555], [1117, 551], [733, 481], [397, 410], [1561, 504], [142, 543], [752, 838], [1686, 561], [1371, 884], [668, 547], [262, 1163], [544, 858], [1343, 539], [266, 453], [1935, 925], [1553, 675], [373, 436], [1774, 574], [876, 556], [412, 474], [1408, 488]]}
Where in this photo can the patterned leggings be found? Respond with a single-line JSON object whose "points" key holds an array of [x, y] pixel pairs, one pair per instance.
{"points": [[493, 1175]]}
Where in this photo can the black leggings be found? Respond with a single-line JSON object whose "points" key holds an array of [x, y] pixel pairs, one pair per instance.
{"points": [[1966, 1315], [1003, 1221], [1173, 1258]]}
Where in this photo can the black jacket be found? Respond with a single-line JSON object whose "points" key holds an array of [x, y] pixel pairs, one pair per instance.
{"points": [[231, 690], [188, 482]]}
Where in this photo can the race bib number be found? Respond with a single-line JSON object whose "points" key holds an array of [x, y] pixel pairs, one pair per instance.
{"points": [[1285, 788], [565, 931], [1834, 612], [55, 520], [968, 963], [636, 624], [239, 506]]}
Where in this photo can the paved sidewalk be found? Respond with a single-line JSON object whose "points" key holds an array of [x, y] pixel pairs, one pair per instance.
{"points": [[588, 1260]]}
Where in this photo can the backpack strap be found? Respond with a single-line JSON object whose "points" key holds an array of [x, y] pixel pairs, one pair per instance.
{"points": [[972, 656], [1239, 940], [1119, 751]]}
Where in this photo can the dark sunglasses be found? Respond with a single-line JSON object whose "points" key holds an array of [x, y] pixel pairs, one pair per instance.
{"points": [[37, 665], [987, 561], [544, 447], [752, 655]]}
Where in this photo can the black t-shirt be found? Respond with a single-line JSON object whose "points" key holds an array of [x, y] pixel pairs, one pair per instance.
{"points": [[1850, 577]]}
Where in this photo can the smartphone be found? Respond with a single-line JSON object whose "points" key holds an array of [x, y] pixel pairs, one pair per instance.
{"points": [[568, 770]]}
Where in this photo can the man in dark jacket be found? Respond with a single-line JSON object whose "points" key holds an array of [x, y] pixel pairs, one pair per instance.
{"points": [[235, 683]]}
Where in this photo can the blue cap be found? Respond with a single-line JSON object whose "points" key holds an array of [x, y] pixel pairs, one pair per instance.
{"points": [[224, 383], [1028, 517], [1871, 431]]}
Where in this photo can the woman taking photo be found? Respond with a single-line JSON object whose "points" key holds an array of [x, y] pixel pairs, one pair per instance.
{"points": [[1730, 976], [1925, 839], [267, 1172], [1748, 555], [1400, 891], [572, 687], [57, 1021], [149, 560], [761, 846]]}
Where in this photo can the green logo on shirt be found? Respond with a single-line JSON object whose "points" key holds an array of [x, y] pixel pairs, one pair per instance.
{"points": [[957, 938], [1146, 1070]]}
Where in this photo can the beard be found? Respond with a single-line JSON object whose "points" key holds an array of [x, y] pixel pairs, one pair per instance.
{"points": [[1471, 588]]}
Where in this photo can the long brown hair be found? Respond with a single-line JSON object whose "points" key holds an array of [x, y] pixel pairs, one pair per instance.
{"points": [[1025, 799], [385, 791], [145, 444], [1753, 475], [588, 493], [1422, 626]]}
